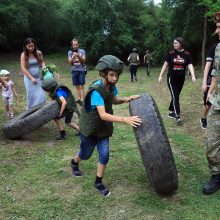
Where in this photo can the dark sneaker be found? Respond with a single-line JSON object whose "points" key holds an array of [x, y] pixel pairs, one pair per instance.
{"points": [[136, 79], [172, 115], [60, 136], [75, 168], [77, 134], [102, 189], [178, 120], [213, 185], [78, 101], [203, 123]]}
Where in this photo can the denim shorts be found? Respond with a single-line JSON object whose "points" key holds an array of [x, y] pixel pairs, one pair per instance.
{"points": [[78, 77], [87, 146]]}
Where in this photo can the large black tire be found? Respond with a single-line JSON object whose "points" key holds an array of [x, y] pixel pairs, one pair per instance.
{"points": [[154, 145], [31, 120]]}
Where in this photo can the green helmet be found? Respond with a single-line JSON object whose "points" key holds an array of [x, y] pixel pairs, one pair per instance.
{"points": [[134, 50], [110, 62], [49, 84], [52, 68]]}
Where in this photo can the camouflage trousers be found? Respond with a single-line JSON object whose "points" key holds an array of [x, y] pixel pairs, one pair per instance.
{"points": [[213, 141]]}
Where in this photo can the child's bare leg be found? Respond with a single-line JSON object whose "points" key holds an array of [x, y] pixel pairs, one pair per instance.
{"points": [[7, 109], [78, 92], [59, 124], [73, 125], [82, 93], [100, 170], [11, 111], [5, 100]]}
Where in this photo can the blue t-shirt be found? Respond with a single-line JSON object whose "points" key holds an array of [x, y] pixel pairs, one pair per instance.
{"points": [[96, 98], [61, 92]]}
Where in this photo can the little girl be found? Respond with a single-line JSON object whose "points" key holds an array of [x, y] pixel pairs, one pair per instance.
{"points": [[7, 93]]}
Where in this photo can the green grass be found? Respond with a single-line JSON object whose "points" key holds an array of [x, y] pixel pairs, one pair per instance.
{"points": [[36, 180]]}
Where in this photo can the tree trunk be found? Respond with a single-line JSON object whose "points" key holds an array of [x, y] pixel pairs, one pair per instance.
{"points": [[204, 41]]}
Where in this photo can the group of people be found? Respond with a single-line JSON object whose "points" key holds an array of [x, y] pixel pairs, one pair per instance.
{"points": [[32, 61], [177, 60], [96, 116], [134, 61]]}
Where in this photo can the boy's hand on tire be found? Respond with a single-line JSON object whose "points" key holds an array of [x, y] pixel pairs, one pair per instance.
{"points": [[132, 97], [133, 121]]}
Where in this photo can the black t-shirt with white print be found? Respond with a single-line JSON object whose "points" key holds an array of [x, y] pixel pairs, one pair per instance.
{"points": [[210, 58], [177, 62]]}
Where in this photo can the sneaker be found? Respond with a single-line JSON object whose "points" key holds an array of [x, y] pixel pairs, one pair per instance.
{"points": [[60, 136], [77, 134], [136, 79], [213, 185], [178, 120], [78, 101], [102, 189], [172, 115], [203, 123], [75, 168]]}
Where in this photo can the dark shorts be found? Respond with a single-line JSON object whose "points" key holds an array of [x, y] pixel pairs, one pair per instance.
{"points": [[68, 117], [205, 97], [78, 77]]}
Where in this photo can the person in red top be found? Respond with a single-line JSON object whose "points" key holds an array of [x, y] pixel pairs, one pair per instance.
{"points": [[177, 60]]}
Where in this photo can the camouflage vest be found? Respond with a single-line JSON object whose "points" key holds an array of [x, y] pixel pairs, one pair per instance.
{"points": [[215, 97], [71, 103], [134, 58], [90, 122]]}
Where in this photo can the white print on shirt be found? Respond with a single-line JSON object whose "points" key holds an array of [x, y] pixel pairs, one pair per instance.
{"points": [[177, 63]]}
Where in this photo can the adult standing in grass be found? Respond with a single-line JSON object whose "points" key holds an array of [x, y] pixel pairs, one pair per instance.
{"points": [[213, 126], [31, 61], [96, 121], [207, 78], [77, 58], [133, 60], [148, 60], [177, 60]]}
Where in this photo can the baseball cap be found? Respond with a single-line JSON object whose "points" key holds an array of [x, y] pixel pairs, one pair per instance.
{"points": [[4, 72]]}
